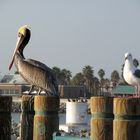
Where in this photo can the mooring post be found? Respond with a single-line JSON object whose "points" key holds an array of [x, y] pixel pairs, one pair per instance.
{"points": [[102, 118], [126, 124], [46, 119], [27, 116], [5, 117]]}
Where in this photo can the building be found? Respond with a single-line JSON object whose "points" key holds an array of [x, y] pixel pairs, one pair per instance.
{"points": [[68, 91], [124, 90], [12, 85]]}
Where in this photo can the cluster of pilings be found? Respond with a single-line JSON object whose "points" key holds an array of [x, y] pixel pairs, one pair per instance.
{"points": [[115, 118], [112, 118], [39, 117]]}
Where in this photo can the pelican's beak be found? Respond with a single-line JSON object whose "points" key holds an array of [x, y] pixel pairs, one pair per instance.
{"points": [[18, 44]]}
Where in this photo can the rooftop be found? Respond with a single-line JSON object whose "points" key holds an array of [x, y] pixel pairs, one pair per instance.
{"points": [[121, 89]]}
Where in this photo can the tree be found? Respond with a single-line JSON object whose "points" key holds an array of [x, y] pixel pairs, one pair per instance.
{"points": [[63, 75], [66, 74], [115, 77], [57, 73], [88, 76], [101, 74], [78, 79], [106, 83], [96, 86]]}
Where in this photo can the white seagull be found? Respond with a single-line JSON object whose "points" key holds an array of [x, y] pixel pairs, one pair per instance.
{"points": [[131, 74]]}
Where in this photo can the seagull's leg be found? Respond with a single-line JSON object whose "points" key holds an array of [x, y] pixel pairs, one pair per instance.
{"points": [[31, 88], [137, 91]]}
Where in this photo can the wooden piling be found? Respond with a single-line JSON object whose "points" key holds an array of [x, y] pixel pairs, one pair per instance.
{"points": [[27, 116], [126, 124], [5, 117], [46, 120], [102, 118]]}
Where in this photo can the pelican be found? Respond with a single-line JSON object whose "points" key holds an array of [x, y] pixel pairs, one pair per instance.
{"points": [[32, 71]]}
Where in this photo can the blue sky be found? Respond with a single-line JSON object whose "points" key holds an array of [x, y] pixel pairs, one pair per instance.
{"points": [[72, 33]]}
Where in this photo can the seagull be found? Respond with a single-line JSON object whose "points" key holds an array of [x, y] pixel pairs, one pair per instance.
{"points": [[131, 74]]}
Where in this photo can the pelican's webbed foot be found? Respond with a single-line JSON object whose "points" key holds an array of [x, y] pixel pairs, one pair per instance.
{"points": [[31, 88], [39, 91]]}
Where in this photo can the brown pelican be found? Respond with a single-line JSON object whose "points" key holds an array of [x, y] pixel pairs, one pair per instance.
{"points": [[33, 72]]}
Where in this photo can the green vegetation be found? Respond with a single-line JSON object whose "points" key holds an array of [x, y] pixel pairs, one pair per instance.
{"points": [[93, 85]]}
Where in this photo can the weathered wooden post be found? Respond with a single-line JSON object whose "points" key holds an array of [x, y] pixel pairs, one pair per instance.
{"points": [[27, 116], [126, 125], [46, 120], [5, 117], [102, 118]]}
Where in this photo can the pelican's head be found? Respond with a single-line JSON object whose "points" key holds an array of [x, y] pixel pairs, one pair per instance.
{"points": [[128, 56], [22, 40]]}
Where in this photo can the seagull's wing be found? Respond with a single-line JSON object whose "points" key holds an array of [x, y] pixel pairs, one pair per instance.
{"points": [[122, 74], [122, 71], [137, 73]]}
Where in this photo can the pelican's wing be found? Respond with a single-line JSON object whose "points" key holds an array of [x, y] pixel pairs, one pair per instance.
{"points": [[38, 64], [45, 68], [137, 73]]}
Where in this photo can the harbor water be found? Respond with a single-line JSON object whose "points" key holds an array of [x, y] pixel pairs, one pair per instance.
{"points": [[62, 118]]}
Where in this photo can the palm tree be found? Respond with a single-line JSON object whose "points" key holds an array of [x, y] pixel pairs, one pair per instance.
{"points": [[115, 77], [96, 86], [78, 79], [66, 74], [101, 74], [63, 75], [57, 73], [106, 83], [88, 76]]}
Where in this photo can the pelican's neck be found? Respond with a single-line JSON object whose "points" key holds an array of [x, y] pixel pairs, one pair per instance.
{"points": [[21, 54], [18, 59]]}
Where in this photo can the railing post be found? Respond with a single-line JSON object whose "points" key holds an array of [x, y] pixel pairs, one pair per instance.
{"points": [[46, 120], [5, 117], [126, 125], [27, 116], [102, 118]]}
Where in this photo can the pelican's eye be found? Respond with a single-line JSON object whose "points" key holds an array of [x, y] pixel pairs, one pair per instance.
{"points": [[19, 34]]}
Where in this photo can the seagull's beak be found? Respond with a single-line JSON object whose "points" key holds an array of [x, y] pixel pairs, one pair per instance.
{"points": [[18, 45], [126, 58]]}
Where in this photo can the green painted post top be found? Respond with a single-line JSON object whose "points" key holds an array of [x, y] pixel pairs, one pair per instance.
{"points": [[57, 136]]}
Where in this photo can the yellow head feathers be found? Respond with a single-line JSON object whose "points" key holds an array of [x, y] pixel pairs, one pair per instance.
{"points": [[22, 29]]}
